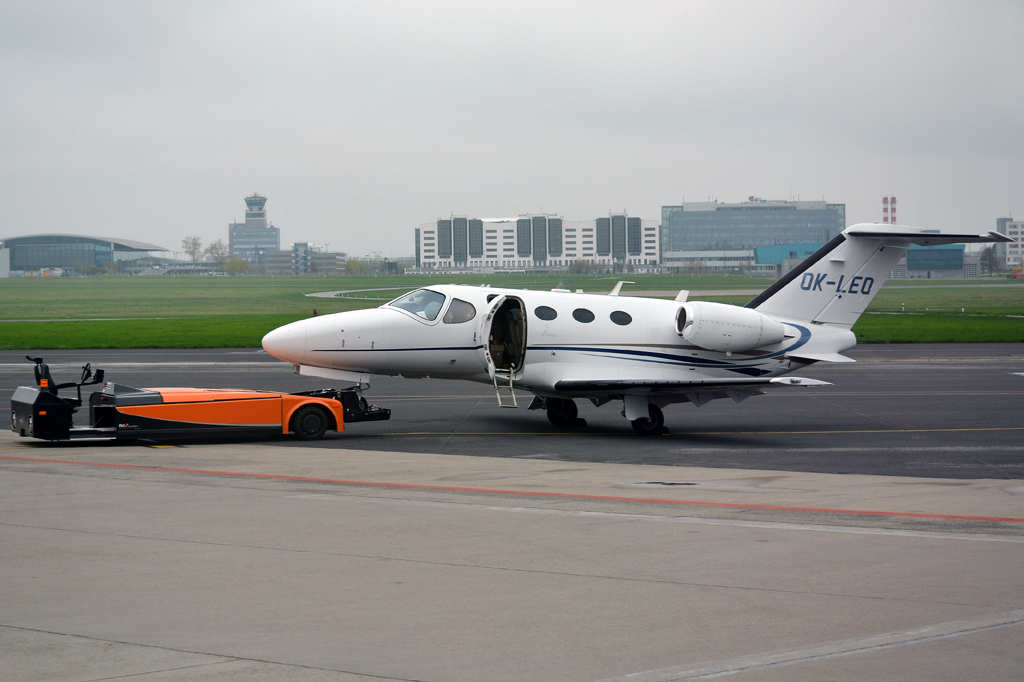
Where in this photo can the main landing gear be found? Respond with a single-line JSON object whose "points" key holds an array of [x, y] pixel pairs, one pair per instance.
{"points": [[563, 413], [650, 426]]}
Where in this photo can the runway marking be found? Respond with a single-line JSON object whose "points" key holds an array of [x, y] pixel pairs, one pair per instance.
{"points": [[983, 428], [157, 365], [699, 450], [887, 393], [826, 650], [1009, 358], [682, 433], [499, 491], [777, 394]]}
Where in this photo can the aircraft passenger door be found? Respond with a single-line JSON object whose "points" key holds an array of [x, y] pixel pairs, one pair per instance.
{"points": [[486, 349]]}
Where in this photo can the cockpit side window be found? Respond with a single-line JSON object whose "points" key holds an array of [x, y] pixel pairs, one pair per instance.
{"points": [[458, 312], [422, 303]]}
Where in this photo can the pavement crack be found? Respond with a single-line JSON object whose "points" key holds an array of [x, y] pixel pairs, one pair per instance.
{"points": [[228, 657], [461, 421], [156, 672], [995, 467], [856, 412]]}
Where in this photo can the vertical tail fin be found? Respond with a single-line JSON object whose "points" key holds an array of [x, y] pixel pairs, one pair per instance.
{"points": [[837, 282]]}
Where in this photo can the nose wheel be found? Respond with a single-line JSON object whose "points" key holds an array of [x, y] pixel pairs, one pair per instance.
{"points": [[650, 426]]}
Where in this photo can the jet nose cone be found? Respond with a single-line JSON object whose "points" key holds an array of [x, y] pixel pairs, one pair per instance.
{"points": [[287, 343]]}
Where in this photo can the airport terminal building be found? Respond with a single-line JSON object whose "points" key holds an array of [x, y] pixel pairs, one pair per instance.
{"points": [[67, 254], [537, 242]]}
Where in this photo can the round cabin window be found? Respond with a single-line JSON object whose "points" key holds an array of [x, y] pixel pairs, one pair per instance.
{"points": [[583, 315], [621, 318], [545, 313]]}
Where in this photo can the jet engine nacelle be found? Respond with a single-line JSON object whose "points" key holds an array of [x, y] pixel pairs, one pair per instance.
{"points": [[721, 327]]}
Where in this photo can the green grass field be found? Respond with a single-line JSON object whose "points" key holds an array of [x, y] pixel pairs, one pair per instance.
{"points": [[219, 312]]}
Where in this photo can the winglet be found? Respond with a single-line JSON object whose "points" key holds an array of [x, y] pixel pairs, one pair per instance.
{"points": [[682, 295]]}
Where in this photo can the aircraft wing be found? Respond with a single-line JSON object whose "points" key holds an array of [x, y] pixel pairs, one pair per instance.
{"points": [[697, 386]]}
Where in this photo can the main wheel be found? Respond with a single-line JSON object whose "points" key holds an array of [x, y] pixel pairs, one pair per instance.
{"points": [[651, 426], [310, 422], [562, 412]]}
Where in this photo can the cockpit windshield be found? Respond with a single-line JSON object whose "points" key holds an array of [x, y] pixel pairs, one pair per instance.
{"points": [[422, 303]]}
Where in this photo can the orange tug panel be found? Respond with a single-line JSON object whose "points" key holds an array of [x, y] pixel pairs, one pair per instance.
{"points": [[231, 407]]}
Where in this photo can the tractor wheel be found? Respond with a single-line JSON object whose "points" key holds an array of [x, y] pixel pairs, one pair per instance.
{"points": [[310, 422]]}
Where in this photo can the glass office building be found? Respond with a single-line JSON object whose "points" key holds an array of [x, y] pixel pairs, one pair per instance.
{"points": [[947, 257], [714, 226]]}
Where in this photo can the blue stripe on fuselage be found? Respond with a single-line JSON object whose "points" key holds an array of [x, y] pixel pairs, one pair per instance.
{"points": [[669, 358]]}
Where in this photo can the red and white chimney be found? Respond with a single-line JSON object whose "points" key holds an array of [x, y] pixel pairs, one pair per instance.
{"points": [[889, 210]]}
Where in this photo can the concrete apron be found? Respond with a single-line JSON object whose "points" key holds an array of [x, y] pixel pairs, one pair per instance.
{"points": [[248, 561]]}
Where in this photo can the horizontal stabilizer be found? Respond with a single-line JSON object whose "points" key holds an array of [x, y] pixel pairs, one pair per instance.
{"points": [[914, 235]]}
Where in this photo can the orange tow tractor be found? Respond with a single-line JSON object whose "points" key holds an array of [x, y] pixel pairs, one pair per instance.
{"points": [[126, 413]]}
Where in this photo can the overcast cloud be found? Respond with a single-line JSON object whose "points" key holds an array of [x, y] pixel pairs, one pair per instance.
{"points": [[359, 121]]}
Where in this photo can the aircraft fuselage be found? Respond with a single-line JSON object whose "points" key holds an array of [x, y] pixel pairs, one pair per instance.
{"points": [[568, 336]]}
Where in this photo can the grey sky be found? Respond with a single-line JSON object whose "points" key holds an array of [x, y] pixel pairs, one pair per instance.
{"points": [[359, 121]]}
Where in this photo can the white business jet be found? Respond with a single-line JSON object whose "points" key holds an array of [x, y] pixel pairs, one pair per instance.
{"points": [[648, 353]]}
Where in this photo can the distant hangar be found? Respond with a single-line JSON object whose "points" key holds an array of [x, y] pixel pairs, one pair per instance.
{"points": [[66, 252]]}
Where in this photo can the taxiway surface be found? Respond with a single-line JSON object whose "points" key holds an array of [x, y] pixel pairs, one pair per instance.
{"points": [[946, 410]]}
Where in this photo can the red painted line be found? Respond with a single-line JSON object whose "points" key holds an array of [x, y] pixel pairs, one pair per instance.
{"points": [[497, 491]]}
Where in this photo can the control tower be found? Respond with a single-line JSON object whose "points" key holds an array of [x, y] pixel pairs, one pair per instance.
{"points": [[252, 239], [255, 211]]}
